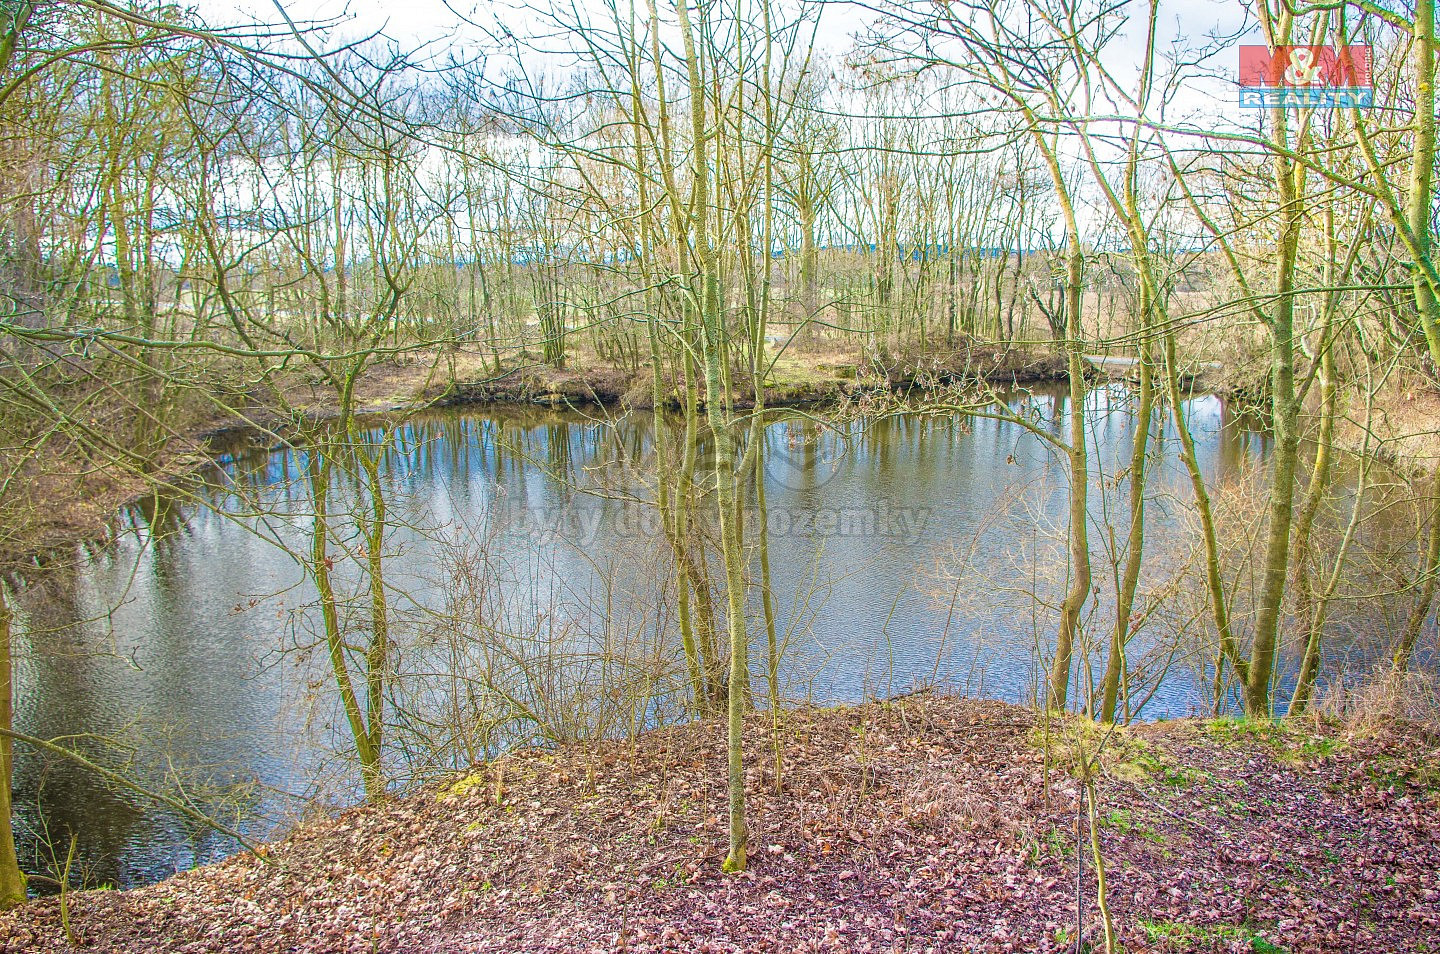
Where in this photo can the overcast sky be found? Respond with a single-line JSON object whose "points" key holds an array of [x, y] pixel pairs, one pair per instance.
{"points": [[433, 24]]}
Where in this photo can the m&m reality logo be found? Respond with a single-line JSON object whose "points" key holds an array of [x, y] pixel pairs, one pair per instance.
{"points": [[1305, 77]]}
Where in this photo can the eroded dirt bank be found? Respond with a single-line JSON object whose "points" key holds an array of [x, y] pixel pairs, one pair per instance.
{"points": [[919, 825]]}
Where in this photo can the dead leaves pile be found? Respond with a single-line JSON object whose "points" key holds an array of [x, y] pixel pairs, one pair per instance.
{"points": [[920, 825]]}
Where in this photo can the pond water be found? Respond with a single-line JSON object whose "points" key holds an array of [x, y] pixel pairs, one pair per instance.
{"points": [[904, 551]]}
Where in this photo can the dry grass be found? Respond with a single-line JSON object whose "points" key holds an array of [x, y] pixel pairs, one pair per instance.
{"points": [[1388, 696]]}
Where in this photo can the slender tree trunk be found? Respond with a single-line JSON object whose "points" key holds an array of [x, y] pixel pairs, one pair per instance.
{"points": [[1284, 404], [12, 880], [1229, 650], [377, 655], [691, 553], [1309, 608], [767, 600], [1422, 173], [1080, 573], [716, 350], [806, 200], [321, 565], [1116, 667], [1418, 220], [1430, 573]]}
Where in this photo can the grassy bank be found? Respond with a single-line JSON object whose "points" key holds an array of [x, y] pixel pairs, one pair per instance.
{"points": [[928, 823]]}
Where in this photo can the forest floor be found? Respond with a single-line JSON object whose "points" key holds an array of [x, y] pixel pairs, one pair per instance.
{"points": [[924, 824]]}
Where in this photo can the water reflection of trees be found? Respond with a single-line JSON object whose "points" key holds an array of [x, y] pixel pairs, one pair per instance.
{"points": [[82, 684], [508, 629]]}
